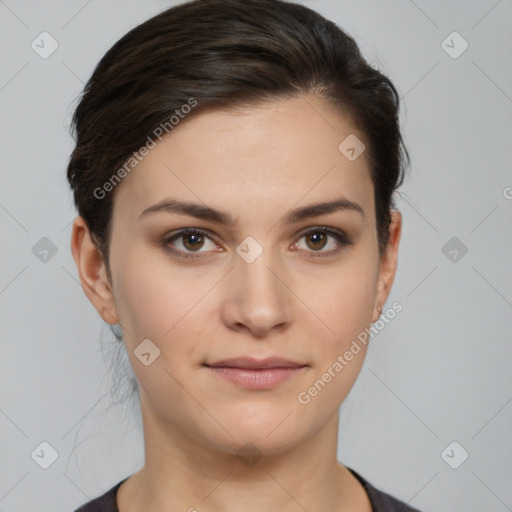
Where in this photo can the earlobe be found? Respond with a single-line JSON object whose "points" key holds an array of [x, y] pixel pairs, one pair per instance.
{"points": [[379, 301], [388, 264], [92, 271]]}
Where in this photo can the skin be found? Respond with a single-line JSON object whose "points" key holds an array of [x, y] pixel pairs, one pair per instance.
{"points": [[257, 164]]}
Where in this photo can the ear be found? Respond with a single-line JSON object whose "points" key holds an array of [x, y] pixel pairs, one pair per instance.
{"points": [[388, 264], [92, 271]]}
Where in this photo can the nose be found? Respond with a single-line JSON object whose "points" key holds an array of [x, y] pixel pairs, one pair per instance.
{"points": [[257, 298]]}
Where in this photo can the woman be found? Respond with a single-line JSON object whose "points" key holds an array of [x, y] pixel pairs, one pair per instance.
{"points": [[234, 172]]}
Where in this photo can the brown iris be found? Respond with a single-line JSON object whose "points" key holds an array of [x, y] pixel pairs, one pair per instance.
{"points": [[196, 241], [318, 239]]}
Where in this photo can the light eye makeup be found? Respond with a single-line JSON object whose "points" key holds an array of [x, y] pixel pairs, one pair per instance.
{"points": [[321, 236]]}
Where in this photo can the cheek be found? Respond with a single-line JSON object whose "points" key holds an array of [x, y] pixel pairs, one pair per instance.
{"points": [[162, 303], [340, 354], [152, 297], [344, 303], [161, 310]]}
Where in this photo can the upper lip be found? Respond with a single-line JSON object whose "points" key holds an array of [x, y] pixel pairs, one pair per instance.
{"points": [[251, 363]]}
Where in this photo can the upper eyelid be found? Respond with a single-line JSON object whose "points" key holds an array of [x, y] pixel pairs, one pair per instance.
{"points": [[305, 231]]}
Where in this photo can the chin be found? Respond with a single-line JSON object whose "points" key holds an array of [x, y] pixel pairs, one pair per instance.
{"points": [[271, 429], [250, 446]]}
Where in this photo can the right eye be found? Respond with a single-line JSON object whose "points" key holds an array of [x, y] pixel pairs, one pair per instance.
{"points": [[191, 240]]}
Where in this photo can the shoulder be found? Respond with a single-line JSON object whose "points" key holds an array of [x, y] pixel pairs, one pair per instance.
{"points": [[381, 501], [104, 503]]}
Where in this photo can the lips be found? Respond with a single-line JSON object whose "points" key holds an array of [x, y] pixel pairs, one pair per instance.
{"points": [[256, 374], [256, 364]]}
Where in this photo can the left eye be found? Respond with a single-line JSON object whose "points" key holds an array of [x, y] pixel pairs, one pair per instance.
{"points": [[316, 239]]}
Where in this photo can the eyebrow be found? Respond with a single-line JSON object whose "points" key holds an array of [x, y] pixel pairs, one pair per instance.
{"points": [[201, 211]]}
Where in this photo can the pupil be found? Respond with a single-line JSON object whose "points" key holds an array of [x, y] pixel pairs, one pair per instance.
{"points": [[195, 239], [318, 237]]}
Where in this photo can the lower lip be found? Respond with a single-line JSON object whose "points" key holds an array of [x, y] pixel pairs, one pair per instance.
{"points": [[263, 378]]}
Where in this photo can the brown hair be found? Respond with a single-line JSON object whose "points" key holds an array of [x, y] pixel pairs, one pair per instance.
{"points": [[226, 53]]}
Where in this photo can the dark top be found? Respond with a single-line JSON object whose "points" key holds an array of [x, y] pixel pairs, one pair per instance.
{"points": [[380, 501]]}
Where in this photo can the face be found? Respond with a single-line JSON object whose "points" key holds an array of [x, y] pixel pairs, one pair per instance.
{"points": [[278, 280]]}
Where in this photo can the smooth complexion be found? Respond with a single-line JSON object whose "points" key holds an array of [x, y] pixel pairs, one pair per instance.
{"points": [[305, 298]]}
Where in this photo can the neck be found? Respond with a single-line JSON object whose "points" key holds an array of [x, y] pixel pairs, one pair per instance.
{"points": [[183, 474]]}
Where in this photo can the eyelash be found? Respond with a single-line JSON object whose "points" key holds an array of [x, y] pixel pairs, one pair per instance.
{"points": [[340, 237]]}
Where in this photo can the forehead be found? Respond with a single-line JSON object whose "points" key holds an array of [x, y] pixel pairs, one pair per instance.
{"points": [[271, 156]]}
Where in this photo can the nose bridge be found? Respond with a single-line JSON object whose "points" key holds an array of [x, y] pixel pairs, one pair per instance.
{"points": [[259, 298], [252, 268]]}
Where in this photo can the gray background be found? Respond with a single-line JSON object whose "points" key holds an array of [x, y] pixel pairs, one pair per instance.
{"points": [[438, 373]]}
